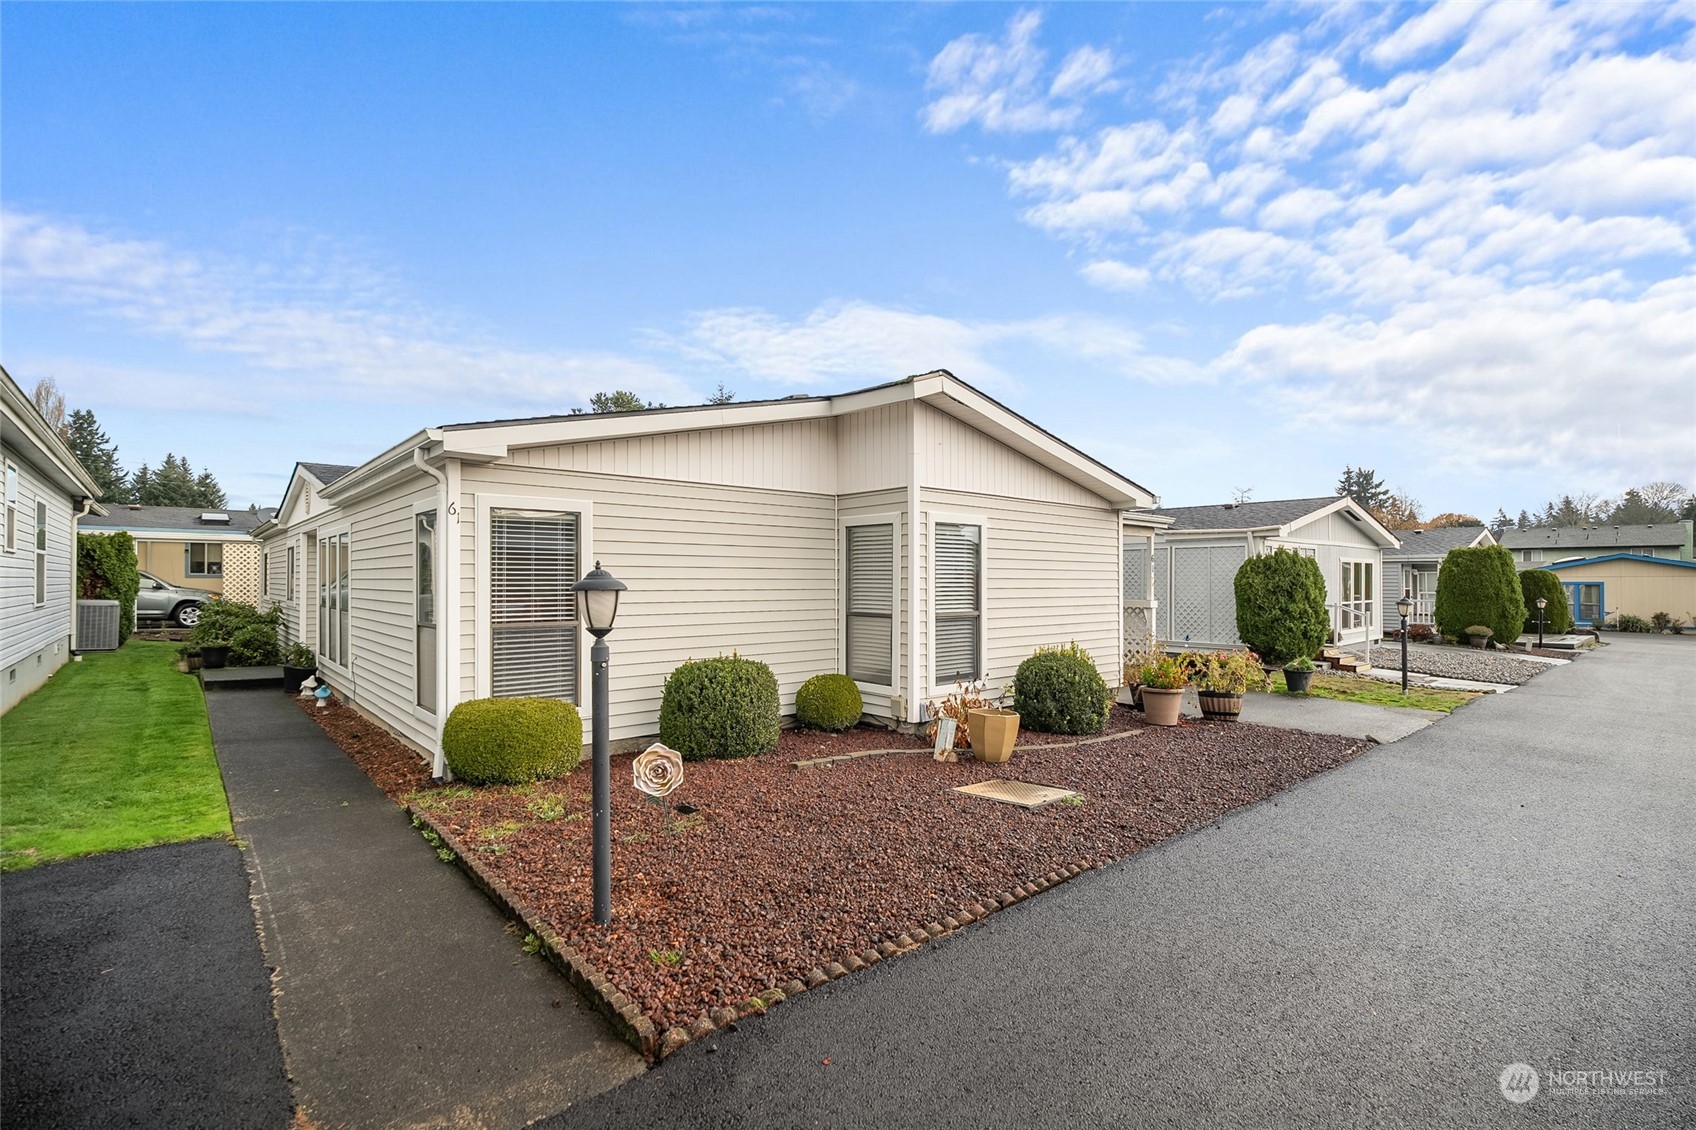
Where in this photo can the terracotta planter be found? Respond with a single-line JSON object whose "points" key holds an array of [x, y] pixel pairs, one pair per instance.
{"points": [[214, 657], [1162, 707], [993, 733], [1221, 706], [1297, 682]]}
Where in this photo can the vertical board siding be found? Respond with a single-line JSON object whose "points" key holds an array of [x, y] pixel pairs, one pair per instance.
{"points": [[872, 450], [26, 627], [799, 455], [955, 456]]}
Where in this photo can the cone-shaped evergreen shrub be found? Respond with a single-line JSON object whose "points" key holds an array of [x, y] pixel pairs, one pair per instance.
{"points": [[724, 707], [1281, 611], [1557, 617], [1479, 585], [828, 702], [512, 741]]}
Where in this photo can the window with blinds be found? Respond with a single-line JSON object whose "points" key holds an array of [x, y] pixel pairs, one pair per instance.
{"points": [[870, 629], [532, 610], [956, 594]]}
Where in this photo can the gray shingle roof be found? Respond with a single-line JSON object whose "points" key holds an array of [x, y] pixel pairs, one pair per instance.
{"points": [[1243, 515], [175, 518], [1433, 543], [328, 473], [1595, 537]]}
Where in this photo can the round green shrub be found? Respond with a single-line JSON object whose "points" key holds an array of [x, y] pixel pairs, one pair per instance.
{"points": [[828, 702], [720, 708], [1557, 617], [1479, 585], [512, 741], [255, 646], [1281, 611], [1059, 690]]}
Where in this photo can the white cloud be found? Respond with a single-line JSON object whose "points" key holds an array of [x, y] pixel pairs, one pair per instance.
{"points": [[1086, 71], [1110, 274], [999, 83]]}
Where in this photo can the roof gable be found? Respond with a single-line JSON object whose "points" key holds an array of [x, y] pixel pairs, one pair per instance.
{"points": [[1280, 515], [1437, 542]]}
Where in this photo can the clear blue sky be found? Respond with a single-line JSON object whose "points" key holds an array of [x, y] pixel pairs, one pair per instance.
{"points": [[1218, 247]]}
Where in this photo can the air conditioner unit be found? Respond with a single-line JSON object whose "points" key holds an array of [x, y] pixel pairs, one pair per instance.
{"points": [[97, 625]]}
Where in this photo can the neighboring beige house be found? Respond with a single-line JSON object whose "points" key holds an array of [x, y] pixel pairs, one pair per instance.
{"points": [[1191, 564], [192, 546], [46, 493], [911, 534], [1411, 568], [1604, 588]]}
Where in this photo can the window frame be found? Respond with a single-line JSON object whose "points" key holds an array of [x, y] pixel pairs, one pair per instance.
{"points": [[205, 556], [40, 552], [336, 538], [289, 583], [934, 518], [1369, 593], [892, 519], [435, 625], [12, 487], [482, 635]]}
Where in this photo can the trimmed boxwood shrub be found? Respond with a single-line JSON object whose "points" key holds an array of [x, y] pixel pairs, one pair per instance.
{"points": [[1281, 611], [828, 702], [1058, 690], [1479, 585], [106, 570], [221, 621], [512, 741], [720, 708], [1557, 617], [256, 646]]}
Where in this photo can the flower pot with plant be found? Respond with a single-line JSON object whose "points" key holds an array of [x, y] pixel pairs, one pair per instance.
{"points": [[1298, 675], [1222, 681], [1479, 635], [1130, 692], [215, 654], [1163, 681], [298, 664]]}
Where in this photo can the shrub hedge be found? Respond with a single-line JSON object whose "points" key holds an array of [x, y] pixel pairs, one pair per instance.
{"points": [[1281, 611], [720, 708], [106, 570], [227, 621], [1479, 585], [1058, 690], [1557, 617], [828, 702], [512, 741], [1628, 622], [255, 646]]}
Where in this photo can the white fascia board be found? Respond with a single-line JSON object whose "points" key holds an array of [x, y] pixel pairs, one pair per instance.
{"points": [[40, 445], [1230, 531], [377, 473], [1144, 519], [149, 533]]}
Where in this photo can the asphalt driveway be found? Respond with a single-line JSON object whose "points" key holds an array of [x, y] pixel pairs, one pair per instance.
{"points": [[1372, 947]]}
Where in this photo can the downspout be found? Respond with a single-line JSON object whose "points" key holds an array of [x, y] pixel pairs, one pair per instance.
{"points": [[913, 698], [438, 766], [77, 516]]}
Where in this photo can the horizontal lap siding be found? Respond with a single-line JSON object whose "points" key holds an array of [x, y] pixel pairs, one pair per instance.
{"points": [[711, 569], [26, 627]]}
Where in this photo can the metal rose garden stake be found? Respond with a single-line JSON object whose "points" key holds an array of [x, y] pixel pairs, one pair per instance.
{"points": [[659, 770]]}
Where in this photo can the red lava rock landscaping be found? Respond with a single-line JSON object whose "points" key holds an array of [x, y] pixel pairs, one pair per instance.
{"points": [[786, 877]]}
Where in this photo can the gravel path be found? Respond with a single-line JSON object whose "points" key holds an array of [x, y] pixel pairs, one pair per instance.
{"points": [[1460, 663]]}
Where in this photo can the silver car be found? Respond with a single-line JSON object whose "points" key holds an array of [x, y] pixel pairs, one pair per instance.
{"points": [[160, 601]]}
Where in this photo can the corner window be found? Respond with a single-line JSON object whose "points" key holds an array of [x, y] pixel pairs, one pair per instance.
{"points": [[869, 633], [957, 597], [333, 598], [203, 559], [40, 551], [532, 608]]}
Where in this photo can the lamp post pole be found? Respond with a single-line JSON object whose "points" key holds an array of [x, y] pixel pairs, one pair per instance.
{"points": [[1404, 606], [602, 783], [1542, 603]]}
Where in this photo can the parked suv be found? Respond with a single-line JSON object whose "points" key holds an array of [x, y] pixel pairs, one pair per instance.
{"points": [[160, 601]]}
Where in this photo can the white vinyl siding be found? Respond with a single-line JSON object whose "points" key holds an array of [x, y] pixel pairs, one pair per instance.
{"points": [[956, 578], [533, 635], [11, 508], [35, 583], [870, 603]]}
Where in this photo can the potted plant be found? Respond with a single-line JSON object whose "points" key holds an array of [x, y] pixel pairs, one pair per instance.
{"points": [[298, 663], [1222, 682], [1130, 693], [1163, 681], [1479, 636], [1298, 675], [214, 654]]}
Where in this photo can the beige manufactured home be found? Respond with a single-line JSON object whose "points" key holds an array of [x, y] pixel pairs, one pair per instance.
{"points": [[911, 535]]}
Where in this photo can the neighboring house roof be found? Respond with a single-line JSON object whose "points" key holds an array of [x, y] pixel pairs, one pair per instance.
{"points": [[1598, 538], [42, 447], [1437, 542], [327, 473], [1577, 561], [1280, 516], [179, 520], [489, 440]]}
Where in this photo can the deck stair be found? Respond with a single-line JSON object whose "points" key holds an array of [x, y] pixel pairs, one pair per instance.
{"points": [[1339, 660]]}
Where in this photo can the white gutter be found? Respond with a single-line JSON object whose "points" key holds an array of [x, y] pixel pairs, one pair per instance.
{"points": [[438, 766], [76, 516]]}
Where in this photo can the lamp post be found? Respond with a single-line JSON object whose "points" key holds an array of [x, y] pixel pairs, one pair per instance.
{"points": [[1405, 607], [1542, 603], [597, 604]]}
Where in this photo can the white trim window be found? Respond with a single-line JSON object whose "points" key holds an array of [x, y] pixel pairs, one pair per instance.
{"points": [[868, 631], [956, 602], [333, 594], [40, 551], [534, 558], [424, 606], [11, 508], [203, 559], [288, 584], [265, 573], [1357, 609]]}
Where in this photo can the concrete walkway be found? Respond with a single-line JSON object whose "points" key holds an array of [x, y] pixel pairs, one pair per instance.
{"points": [[1372, 947], [402, 998], [1383, 724]]}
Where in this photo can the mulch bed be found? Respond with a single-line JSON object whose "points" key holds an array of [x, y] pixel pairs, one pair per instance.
{"points": [[782, 871]]}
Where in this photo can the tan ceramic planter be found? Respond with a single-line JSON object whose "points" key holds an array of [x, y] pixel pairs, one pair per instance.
{"points": [[1162, 707], [993, 733]]}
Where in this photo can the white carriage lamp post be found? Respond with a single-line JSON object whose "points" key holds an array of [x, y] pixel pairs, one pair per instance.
{"points": [[1405, 607], [1542, 603], [598, 605]]}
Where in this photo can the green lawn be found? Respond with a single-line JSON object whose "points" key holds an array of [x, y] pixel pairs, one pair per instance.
{"points": [[114, 752], [1360, 688]]}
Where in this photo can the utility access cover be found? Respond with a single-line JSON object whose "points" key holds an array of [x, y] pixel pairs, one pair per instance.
{"points": [[1022, 793]]}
